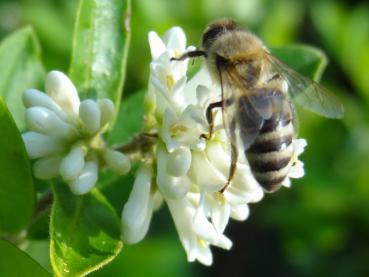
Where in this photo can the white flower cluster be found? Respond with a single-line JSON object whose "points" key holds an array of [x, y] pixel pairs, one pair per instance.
{"points": [[65, 134], [188, 171]]}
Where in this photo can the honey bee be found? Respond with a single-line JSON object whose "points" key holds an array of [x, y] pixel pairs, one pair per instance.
{"points": [[258, 93]]}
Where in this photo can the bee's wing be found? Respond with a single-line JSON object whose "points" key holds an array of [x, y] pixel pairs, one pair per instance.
{"points": [[245, 110], [306, 92]]}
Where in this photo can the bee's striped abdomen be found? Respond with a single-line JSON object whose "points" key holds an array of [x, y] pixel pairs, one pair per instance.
{"points": [[270, 154]]}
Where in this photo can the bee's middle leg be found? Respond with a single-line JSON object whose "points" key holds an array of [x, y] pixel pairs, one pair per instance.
{"points": [[210, 118], [232, 168]]}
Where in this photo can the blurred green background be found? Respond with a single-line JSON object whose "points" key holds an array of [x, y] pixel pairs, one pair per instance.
{"points": [[319, 227]]}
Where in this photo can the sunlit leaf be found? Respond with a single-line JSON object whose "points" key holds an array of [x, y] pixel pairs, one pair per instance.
{"points": [[21, 68], [85, 232], [17, 196], [161, 256], [100, 46], [14, 262]]}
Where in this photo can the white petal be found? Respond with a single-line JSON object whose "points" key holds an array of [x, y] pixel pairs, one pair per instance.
{"points": [[60, 88], [73, 164], [202, 94], [117, 161], [89, 113], [106, 107], [45, 121], [157, 46], [240, 212], [137, 211], [168, 120], [204, 255], [36, 98], [220, 215], [286, 182], [87, 180], [47, 168], [207, 232], [171, 187], [204, 174], [297, 170], [182, 213], [175, 38], [179, 162], [202, 77], [299, 145], [219, 157], [38, 145]]}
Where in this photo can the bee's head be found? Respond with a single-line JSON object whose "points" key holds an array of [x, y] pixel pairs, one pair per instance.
{"points": [[216, 29]]}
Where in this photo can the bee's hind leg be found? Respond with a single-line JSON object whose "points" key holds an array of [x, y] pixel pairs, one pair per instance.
{"points": [[232, 168], [210, 118]]}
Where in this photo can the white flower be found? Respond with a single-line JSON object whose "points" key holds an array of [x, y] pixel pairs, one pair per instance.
{"points": [[187, 171], [65, 134]]}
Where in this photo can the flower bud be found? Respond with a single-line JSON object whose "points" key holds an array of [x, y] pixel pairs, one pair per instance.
{"points": [[36, 98], [72, 165], [89, 113], [45, 121], [61, 89], [138, 209], [240, 212], [86, 180], [117, 161], [179, 162], [47, 168], [106, 107], [171, 187], [38, 145]]}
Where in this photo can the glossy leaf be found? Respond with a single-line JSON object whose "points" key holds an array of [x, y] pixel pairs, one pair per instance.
{"points": [[17, 196], [14, 262], [85, 232], [100, 47], [307, 60], [162, 256], [21, 68], [129, 120]]}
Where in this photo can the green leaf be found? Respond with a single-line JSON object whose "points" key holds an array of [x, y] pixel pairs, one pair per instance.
{"points": [[85, 232], [14, 262], [17, 196], [21, 68], [100, 48], [307, 60], [169, 259], [129, 120]]}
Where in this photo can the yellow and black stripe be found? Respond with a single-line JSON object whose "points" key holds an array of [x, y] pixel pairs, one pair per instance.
{"points": [[270, 154]]}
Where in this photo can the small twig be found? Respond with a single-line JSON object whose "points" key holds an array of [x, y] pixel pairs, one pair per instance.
{"points": [[137, 144], [43, 205]]}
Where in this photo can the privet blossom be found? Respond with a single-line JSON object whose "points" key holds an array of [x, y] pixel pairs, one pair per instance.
{"points": [[181, 168], [186, 171], [65, 134]]}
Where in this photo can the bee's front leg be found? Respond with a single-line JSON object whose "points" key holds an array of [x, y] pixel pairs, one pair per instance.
{"points": [[190, 54], [210, 118]]}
